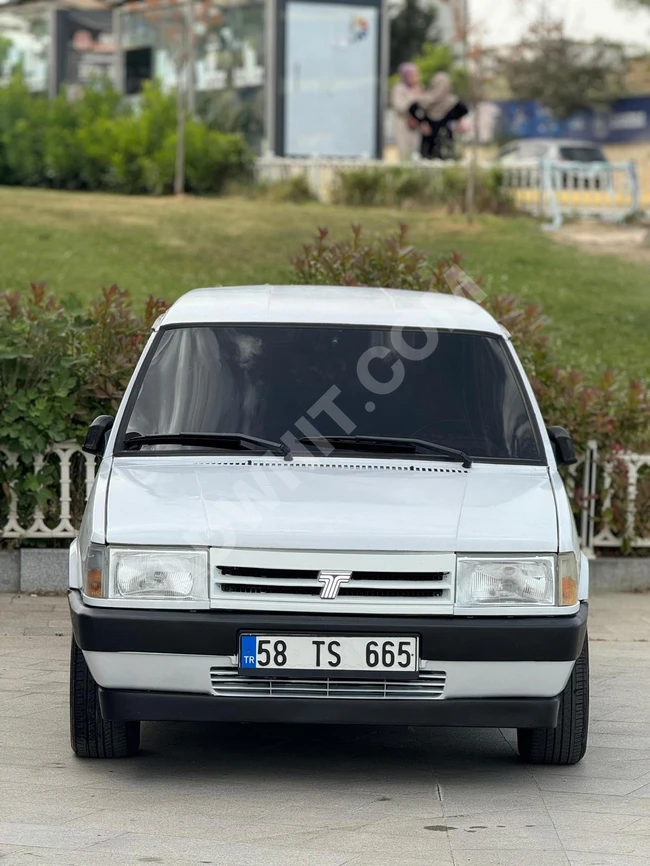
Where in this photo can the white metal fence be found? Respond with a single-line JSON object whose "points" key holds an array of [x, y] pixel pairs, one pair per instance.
{"points": [[607, 190], [613, 498], [544, 188]]}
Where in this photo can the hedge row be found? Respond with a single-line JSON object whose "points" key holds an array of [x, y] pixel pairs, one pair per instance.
{"points": [[103, 141], [404, 186]]}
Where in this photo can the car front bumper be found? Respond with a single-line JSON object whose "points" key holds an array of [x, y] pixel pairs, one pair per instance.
{"points": [[160, 665]]}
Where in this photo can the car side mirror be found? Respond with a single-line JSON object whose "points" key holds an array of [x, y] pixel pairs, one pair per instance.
{"points": [[95, 442], [562, 446]]}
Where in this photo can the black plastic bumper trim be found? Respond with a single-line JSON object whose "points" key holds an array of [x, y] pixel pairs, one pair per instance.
{"points": [[215, 632], [474, 713]]}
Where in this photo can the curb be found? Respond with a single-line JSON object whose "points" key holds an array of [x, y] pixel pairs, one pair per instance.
{"points": [[43, 569]]}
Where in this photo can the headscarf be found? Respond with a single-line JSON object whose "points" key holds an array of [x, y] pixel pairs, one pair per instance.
{"points": [[438, 99], [404, 70]]}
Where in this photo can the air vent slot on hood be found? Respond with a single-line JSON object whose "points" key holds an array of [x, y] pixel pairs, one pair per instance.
{"points": [[342, 465]]}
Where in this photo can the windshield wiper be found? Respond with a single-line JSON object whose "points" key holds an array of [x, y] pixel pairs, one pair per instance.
{"points": [[225, 441], [386, 442]]}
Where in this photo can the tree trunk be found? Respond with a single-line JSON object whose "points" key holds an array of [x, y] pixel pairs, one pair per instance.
{"points": [[470, 190], [179, 172]]}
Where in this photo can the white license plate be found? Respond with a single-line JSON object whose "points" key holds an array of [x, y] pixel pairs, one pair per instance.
{"points": [[328, 655]]}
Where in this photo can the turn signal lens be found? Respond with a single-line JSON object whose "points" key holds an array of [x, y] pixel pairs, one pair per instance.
{"points": [[93, 571], [568, 578]]}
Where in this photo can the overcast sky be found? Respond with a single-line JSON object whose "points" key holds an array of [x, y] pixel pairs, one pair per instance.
{"points": [[505, 20]]}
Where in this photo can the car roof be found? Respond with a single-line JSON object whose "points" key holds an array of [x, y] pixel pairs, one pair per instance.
{"points": [[339, 305]]}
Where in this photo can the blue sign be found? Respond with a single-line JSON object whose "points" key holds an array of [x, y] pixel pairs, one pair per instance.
{"points": [[627, 120]]}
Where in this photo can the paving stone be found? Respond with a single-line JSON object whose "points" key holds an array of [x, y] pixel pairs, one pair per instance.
{"points": [[514, 857], [232, 795]]}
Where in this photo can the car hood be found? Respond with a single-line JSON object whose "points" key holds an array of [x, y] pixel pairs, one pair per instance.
{"points": [[330, 504]]}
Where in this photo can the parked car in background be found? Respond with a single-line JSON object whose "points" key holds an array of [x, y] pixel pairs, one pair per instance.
{"points": [[325, 504], [557, 149], [527, 153]]}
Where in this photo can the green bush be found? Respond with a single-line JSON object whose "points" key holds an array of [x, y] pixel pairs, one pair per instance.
{"points": [[362, 187], [58, 370], [101, 142], [425, 186], [295, 190]]}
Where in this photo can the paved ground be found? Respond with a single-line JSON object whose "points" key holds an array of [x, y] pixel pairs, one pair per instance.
{"points": [[243, 796]]}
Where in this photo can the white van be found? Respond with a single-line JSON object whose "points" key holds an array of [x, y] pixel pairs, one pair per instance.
{"points": [[332, 505]]}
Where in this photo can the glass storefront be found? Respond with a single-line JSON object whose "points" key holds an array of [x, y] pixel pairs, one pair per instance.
{"points": [[86, 48], [227, 86], [26, 43]]}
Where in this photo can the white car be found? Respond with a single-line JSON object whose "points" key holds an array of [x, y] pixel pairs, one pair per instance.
{"points": [[329, 505], [578, 164], [524, 150]]}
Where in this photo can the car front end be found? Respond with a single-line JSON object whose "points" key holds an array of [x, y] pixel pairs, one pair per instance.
{"points": [[433, 578]]}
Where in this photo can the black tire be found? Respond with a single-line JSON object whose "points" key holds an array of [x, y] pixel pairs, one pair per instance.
{"points": [[567, 743], [91, 736]]}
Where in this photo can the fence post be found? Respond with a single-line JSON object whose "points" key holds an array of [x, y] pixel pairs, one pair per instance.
{"points": [[588, 516]]}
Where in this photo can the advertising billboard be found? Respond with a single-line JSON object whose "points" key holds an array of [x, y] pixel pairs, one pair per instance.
{"points": [[330, 79], [626, 120]]}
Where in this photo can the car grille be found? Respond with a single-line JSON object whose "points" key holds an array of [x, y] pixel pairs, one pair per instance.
{"points": [[227, 683], [400, 583], [362, 584]]}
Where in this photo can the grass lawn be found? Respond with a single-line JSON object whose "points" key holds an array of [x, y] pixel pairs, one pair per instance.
{"points": [[77, 243]]}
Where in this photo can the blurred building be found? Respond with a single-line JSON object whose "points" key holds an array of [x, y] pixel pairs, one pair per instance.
{"points": [[296, 77], [54, 42]]}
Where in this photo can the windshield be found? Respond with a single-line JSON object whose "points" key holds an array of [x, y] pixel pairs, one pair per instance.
{"points": [[282, 383], [582, 154]]}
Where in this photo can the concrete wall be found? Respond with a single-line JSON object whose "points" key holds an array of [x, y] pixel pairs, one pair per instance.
{"points": [[46, 570], [34, 570]]}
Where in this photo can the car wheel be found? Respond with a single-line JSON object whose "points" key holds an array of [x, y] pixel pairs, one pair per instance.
{"points": [[91, 736], [567, 743]]}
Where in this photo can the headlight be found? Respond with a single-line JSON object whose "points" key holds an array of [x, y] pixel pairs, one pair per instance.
{"points": [[157, 575], [505, 581], [162, 576]]}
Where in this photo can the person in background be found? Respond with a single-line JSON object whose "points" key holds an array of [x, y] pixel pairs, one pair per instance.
{"points": [[404, 93], [435, 110]]}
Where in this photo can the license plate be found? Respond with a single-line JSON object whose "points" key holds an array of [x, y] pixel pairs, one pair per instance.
{"points": [[328, 655]]}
